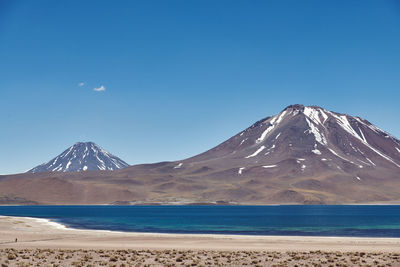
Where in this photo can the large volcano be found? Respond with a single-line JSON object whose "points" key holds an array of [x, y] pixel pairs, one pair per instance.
{"points": [[306, 141]]}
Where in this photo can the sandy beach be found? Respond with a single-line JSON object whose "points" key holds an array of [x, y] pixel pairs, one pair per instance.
{"points": [[42, 237]]}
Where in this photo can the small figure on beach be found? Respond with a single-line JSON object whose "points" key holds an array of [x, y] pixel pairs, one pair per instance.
{"points": [[16, 240]]}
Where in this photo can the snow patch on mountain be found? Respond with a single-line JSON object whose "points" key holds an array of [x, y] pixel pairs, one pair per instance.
{"points": [[314, 114], [319, 137], [178, 166], [269, 166], [256, 153], [273, 122], [370, 161], [316, 151]]}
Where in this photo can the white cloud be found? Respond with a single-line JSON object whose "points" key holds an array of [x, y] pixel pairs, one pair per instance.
{"points": [[81, 84], [99, 89]]}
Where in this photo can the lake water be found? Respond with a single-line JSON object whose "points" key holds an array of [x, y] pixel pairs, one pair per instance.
{"points": [[318, 220]]}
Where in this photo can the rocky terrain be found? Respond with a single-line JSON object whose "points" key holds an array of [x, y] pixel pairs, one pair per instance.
{"points": [[129, 257]]}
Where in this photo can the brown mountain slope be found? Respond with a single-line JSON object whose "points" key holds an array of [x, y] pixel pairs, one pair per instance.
{"points": [[302, 155]]}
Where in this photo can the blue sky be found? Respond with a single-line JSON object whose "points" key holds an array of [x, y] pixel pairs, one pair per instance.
{"points": [[182, 76]]}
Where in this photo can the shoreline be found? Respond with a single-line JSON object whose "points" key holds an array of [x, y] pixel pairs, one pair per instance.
{"points": [[44, 233], [60, 226]]}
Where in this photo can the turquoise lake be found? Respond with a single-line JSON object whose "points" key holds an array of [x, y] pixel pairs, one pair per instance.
{"points": [[310, 220]]}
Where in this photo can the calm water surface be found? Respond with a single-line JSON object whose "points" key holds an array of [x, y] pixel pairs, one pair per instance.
{"points": [[318, 220]]}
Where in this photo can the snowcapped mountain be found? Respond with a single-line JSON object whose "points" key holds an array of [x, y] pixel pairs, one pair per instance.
{"points": [[304, 141], [82, 157]]}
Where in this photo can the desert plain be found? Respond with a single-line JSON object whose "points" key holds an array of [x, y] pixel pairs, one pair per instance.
{"points": [[39, 242]]}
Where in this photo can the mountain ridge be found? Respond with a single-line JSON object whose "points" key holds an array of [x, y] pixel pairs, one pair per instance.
{"points": [[302, 155]]}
